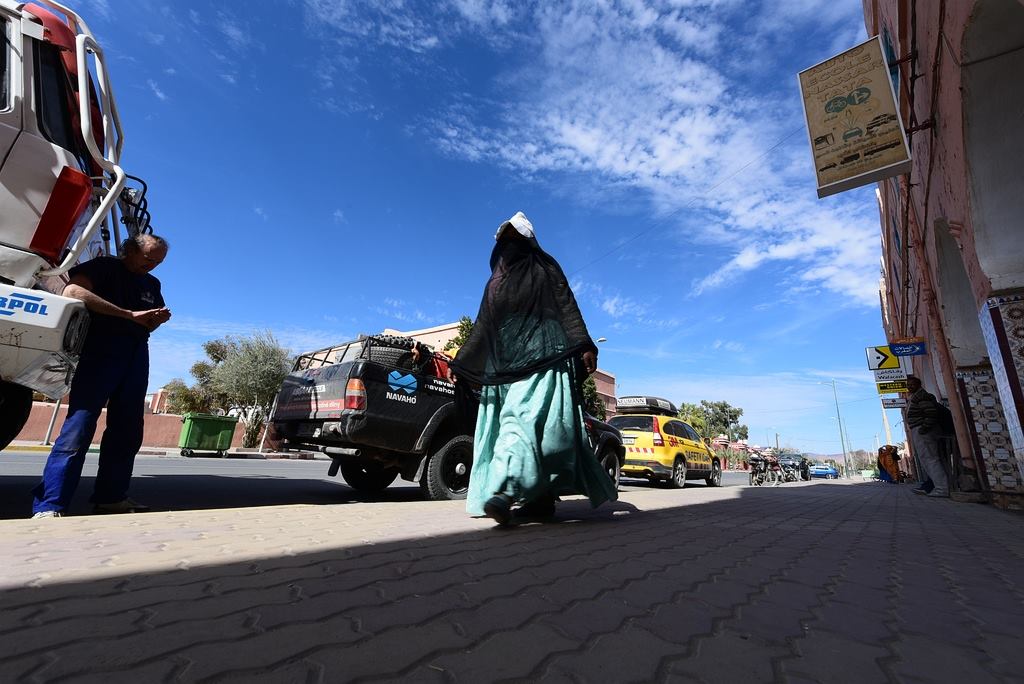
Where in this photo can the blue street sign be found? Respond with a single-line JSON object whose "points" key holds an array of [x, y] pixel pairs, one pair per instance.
{"points": [[911, 349]]}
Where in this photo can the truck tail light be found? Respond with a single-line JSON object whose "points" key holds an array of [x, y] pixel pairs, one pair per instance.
{"points": [[68, 200], [355, 395], [657, 439]]}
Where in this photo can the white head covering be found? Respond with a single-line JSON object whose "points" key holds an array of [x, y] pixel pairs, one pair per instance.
{"points": [[519, 223]]}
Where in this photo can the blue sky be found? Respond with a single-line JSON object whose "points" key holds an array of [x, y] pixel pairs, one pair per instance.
{"points": [[324, 168]]}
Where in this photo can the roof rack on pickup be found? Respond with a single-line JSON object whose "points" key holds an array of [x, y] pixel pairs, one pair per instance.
{"points": [[378, 348]]}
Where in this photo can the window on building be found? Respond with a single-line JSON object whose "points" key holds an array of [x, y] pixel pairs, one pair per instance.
{"points": [[894, 277], [897, 241]]}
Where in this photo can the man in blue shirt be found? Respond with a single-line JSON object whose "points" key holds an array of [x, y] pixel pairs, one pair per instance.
{"points": [[125, 304]]}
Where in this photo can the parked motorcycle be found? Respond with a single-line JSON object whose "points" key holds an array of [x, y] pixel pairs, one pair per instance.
{"points": [[758, 470], [790, 473]]}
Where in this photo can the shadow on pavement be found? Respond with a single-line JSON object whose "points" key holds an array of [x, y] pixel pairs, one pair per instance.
{"points": [[166, 492], [765, 585]]}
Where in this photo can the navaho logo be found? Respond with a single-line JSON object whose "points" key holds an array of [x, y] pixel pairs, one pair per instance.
{"points": [[403, 383], [27, 303]]}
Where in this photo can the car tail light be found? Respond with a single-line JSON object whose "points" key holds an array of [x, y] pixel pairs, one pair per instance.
{"points": [[68, 200], [657, 440], [355, 395]]}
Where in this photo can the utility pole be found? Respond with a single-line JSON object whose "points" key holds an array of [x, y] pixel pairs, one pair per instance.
{"points": [[885, 422], [776, 441], [842, 440], [876, 443]]}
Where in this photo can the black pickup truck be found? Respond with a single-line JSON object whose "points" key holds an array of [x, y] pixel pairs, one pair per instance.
{"points": [[380, 416], [366, 405]]}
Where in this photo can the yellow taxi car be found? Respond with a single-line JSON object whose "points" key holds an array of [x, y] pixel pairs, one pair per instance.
{"points": [[660, 446]]}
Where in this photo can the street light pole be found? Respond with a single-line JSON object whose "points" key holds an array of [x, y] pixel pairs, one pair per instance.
{"points": [[842, 440]]}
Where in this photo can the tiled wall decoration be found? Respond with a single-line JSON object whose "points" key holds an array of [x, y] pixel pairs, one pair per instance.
{"points": [[1002, 324], [992, 439]]}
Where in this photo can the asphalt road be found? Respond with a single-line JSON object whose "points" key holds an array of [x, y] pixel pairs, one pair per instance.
{"points": [[176, 483]]}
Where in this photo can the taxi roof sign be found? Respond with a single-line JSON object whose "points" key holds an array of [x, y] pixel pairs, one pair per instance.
{"points": [[645, 404]]}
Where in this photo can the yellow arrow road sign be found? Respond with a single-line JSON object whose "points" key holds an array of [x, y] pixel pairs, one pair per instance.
{"points": [[880, 358]]}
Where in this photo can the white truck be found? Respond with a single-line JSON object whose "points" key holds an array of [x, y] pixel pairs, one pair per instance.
{"points": [[64, 197]]}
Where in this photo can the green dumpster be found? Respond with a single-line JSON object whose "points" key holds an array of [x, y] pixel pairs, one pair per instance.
{"points": [[204, 432]]}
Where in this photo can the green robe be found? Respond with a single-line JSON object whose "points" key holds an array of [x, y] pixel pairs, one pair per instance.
{"points": [[530, 441]]}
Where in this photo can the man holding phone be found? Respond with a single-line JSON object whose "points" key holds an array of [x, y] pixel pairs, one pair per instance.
{"points": [[126, 305]]}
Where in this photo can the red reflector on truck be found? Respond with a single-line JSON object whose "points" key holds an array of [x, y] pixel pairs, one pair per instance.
{"points": [[355, 395], [69, 199]]}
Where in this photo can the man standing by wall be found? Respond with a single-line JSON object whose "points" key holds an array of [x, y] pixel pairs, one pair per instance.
{"points": [[923, 422], [125, 304]]}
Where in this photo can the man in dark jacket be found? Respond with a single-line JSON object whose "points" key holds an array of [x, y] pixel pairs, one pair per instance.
{"points": [[125, 306], [923, 423]]}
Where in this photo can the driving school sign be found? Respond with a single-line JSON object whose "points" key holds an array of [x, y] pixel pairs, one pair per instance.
{"points": [[854, 126]]}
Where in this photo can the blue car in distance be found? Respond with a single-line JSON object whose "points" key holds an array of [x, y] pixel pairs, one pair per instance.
{"points": [[824, 470]]}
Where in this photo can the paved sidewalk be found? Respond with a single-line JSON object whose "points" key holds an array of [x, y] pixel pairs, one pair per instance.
{"points": [[825, 582]]}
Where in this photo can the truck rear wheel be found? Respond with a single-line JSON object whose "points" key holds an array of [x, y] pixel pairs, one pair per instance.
{"points": [[15, 405], [447, 473], [369, 477]]}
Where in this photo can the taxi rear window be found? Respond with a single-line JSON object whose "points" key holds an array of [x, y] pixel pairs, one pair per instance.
{"points": [[634, 423]]}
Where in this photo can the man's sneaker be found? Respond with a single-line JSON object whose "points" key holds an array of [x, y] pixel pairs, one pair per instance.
{"points": [[918, 490], [123, 506], [939, 494], [47, 514]]}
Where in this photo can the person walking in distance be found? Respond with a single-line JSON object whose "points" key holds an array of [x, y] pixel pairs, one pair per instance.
{"points": [[923, 421], [125, 306], [529, 352]]}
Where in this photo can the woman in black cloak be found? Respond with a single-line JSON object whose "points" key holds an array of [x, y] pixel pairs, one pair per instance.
{"points": [[530, 352]]}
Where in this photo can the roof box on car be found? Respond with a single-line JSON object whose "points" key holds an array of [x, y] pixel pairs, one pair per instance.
{"points": [[642, 404]]}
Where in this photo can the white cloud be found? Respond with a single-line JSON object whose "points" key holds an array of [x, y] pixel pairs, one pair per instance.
{"points": [[229, 78], [160, 95], [170, 71], [261, 212], [338, 215], [728, 345], [237, 36], [656, 96], [154, 38]]}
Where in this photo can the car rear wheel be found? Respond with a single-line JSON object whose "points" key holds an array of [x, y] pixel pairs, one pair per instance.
{"points": [[678, 480], [715, 479], [447, 472], [609, 460], [367, 477], [15, 405]]}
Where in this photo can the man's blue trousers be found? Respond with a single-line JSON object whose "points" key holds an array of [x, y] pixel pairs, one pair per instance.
{"points": [[112, 374]]}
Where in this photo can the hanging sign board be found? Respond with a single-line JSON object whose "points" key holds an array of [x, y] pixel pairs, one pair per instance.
{"points": [[881, 357], [854, 126], [894, 402], [890, 375], [890, 387], [911, 349]]}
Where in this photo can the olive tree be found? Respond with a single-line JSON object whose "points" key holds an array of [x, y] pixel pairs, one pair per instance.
{"points": [[239, 375]]}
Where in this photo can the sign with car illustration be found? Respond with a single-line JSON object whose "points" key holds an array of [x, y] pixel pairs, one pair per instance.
{"points": [[853, 123]]}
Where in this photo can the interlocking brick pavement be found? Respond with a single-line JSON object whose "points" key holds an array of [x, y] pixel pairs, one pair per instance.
{"points": [[817, 582]]}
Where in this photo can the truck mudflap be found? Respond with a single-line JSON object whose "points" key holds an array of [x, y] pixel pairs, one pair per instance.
{"points": [[41, 336]]}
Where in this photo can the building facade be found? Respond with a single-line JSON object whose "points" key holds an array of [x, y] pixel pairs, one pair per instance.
{"points": [[953, 228]]}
